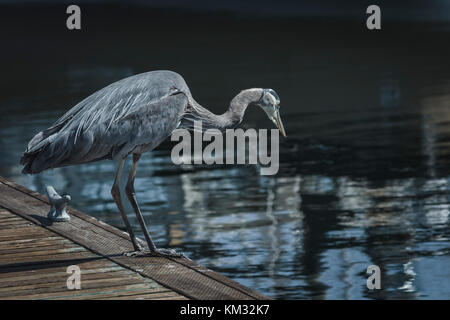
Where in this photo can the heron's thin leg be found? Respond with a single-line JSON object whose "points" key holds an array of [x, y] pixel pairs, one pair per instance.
{"points": [[115, 192], [132, 197]]}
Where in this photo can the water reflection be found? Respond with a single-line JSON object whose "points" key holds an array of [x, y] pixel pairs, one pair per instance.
{"points": [[290, 236], [364, 174]]}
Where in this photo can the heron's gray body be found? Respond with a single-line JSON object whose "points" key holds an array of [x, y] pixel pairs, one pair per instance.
{"points": [[133, 115]]}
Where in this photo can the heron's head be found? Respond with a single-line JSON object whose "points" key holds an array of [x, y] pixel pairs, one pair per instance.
{"points": [[270, 103]]}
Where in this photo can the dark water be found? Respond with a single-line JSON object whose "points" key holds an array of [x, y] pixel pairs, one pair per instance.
{"points": [[364, 173]]}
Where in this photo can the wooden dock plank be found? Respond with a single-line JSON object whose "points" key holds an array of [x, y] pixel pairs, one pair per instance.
{"points": [[110, 291], [35, 252], [24, 273], [140, 296]]}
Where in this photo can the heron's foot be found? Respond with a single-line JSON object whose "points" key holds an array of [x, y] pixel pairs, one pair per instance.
{"points": [[137, 246], [168, 253], [136, 253], [162, 252]]}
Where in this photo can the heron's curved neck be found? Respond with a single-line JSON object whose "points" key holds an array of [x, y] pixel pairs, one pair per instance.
{"points": [[240, 103], [231, 118]]}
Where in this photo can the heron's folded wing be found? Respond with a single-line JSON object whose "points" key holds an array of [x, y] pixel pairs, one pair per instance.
{"points": [[143, 123], [154, 121]]}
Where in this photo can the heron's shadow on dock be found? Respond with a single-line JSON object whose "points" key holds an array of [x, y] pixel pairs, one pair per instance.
{"points": [[44, 221], [39, 265]]}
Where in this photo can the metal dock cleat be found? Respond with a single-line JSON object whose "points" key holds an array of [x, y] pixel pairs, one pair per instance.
{"points": [[58, 212]]}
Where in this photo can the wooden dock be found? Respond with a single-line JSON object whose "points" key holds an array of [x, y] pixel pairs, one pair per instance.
{"points": [[35, 255]]}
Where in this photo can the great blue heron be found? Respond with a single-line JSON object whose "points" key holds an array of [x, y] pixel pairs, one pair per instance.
{"points": [[133, 116]]}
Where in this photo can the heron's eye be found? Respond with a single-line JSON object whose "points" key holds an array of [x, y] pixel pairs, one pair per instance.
{"points": [[273, 93]]}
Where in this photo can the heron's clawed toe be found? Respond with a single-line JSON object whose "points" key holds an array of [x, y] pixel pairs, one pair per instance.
{"points": [[136, 253], [169, 253], [138, 247]]}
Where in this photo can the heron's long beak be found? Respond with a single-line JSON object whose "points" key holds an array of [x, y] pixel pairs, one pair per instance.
{"points": [[280, 124]]}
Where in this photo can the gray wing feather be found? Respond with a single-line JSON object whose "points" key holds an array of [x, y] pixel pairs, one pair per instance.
{"points": [[132, 115]]}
